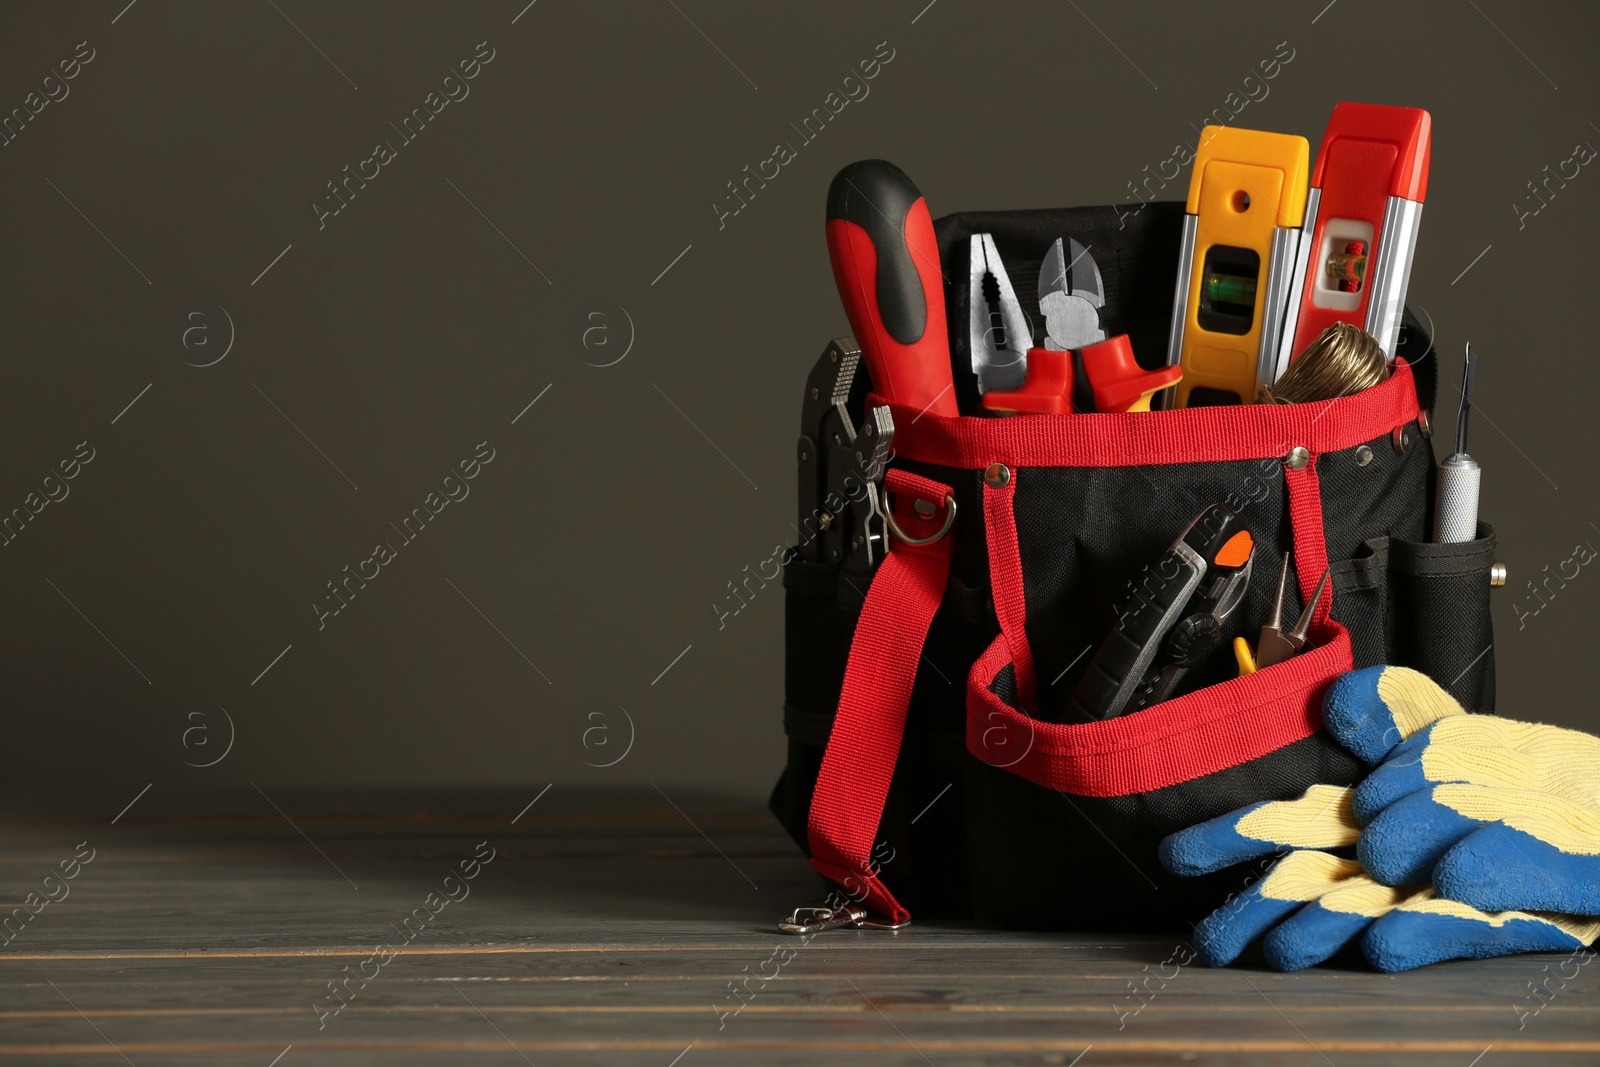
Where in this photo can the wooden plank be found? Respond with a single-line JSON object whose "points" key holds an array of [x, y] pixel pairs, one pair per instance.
{"points": [[614, 934]]}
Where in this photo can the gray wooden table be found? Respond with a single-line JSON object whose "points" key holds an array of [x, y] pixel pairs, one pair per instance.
{"points": [[634, 929]]}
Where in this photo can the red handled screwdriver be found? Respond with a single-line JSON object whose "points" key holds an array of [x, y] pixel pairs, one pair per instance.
{"points": [[886, 265]]}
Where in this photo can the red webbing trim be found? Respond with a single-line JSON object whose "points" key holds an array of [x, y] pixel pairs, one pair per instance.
{"points": [[1206, 731], [1310, 543], [1005, 579], [1190, 435], [853, 783]]}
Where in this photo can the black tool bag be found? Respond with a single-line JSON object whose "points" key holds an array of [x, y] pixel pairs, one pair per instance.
{"points": [[930, 766]]}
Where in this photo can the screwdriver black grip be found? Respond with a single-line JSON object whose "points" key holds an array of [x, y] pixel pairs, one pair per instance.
{"points": [[886, 265]]}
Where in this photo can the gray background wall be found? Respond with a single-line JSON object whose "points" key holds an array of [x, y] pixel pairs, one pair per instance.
{"points": [[371, 354]]}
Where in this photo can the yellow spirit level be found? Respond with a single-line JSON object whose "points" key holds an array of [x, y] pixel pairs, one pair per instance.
{"points": [[1247, 199]]}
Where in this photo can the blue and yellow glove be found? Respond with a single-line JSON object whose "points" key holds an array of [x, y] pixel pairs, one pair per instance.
{"points": [[1510, 812], [1312, 904], [1501, 814]]}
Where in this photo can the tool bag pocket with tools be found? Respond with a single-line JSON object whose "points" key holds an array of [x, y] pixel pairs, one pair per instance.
{"points": [[937, 764]]}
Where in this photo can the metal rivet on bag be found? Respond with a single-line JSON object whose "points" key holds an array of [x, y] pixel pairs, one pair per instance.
{"points": [[1401, 439], [1363, 456], [925, 508], [997, 476], [1425, 425], [1297, 458], [1497, 574]]}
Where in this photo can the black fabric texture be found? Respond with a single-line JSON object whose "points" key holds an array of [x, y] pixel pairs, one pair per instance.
{"points": [[1442, 604], [1045, 860], [995, 845], [1085, 534], [813, 668]]}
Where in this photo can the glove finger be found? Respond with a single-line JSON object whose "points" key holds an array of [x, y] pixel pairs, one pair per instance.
{"points": [[1329, 923], [1411, 769], [1297, 878], [1430, 931], [1319, 819], [1573, 751], [1372, 710], [1401, 845], [1505, 866], [1398, 776], [1410, 750]]}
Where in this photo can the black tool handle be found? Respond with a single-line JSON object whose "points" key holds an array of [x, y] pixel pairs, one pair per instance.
{"points": [[1156, 598], [1125, 666]]}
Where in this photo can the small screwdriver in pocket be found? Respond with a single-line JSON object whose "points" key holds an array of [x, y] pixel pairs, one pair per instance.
{"points": [[1456, 511]]}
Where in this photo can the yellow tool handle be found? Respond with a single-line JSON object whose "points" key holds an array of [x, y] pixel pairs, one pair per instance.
{"points": [[1246, 658]]}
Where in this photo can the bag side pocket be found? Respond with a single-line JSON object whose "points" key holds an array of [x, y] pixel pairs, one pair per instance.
{"points": [[1361, 602], [813, 674], [1439, 614]]}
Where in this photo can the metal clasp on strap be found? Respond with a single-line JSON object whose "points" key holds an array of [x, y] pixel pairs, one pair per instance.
{"points": [[816, 919], [949, 521], [871, 448]]}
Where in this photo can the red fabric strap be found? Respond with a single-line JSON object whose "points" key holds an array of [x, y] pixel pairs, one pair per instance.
{"points": [[1127, 439], [1005, 579], [1310, 545], [853, 784]]}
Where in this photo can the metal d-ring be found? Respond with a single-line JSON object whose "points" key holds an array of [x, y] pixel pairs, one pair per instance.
{"points": [[949, 521]]}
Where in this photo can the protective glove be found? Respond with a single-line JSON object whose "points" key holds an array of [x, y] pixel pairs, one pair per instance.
{"points": [[1502, 814], [1312, 904], [1434, 796]]}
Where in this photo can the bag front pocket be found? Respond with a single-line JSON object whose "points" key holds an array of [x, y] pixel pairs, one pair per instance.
{"points": [[1064, 819], [1179, 740]]}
